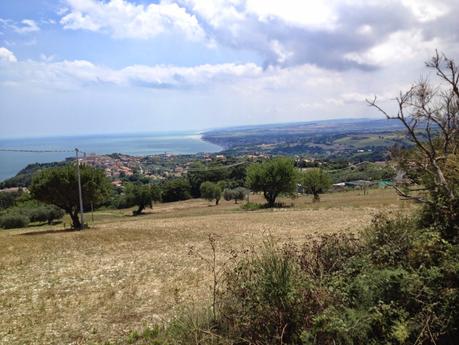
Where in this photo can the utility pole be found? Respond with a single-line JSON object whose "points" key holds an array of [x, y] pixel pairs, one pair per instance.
{"points": [[80, 194]]}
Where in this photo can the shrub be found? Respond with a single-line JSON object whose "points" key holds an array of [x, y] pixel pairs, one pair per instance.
{"points": [[263, 298], [251, 206], [176, 190], [14, 220], [43, 213], [211, 191]]}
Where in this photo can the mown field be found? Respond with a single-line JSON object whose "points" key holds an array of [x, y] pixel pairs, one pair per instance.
{"points": [[126, 273]]}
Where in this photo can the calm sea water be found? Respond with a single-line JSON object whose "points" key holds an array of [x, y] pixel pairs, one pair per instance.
{"points": [[132, 144]]}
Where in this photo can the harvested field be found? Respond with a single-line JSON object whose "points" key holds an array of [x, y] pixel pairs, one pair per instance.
{"points": [[66, 287]]}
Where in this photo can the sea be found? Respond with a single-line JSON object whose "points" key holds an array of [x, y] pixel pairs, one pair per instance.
{"points": [[132, 144]]}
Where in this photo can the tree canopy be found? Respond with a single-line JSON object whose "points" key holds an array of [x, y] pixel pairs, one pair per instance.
{"points": [[142, 196], [272, 177], [176, 189], [315, 181], [211, 191], [59, 186]]}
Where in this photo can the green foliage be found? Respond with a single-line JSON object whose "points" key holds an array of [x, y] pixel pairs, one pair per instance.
{"points": [[176, 189], [43, 213], [265, 292], [366, 171], [59, 186], [8, 199], [141, 196], [395, 283], [272, 177], [252, 206], [200, 173], [211, 191], [236, 194], [13, 220], [315, 182]]}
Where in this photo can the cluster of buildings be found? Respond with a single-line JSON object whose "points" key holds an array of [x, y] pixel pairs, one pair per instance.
{"points": [[115, 166]]}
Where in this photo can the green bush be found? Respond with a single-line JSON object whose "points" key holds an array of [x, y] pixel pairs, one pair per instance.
{"points": [[14, 220], [251, 206], [176, 189], [395, 283], [43, 213]]}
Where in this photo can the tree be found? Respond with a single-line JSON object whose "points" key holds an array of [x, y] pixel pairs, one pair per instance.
{"points": [[211, 191], [59, 186], [315, 181], [272, 177], [200, 173], [239, 193], [176, 189], [44, 213], [142, 196], [430, 115]]}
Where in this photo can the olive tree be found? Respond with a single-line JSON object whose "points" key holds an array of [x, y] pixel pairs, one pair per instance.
{"points": [[142, 196], [236, 194], [211, 191], [59, 186], [272, 177], [315, 182]]}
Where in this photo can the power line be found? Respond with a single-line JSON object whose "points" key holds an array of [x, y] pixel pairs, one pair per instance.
{"points": [[77, 151], [217, 168]]}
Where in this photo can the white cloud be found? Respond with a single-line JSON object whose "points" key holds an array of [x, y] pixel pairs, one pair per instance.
{"points": [[71, 74], [427, 10], [28, 25], [24, 27], [312, 14], [7, 55], [400, 46], [123, 19], [334, 34]]}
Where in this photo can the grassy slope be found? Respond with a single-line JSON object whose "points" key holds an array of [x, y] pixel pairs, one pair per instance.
{"points": [[60, 287]]}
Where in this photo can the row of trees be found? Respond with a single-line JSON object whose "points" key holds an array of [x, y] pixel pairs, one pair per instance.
{"points": [[57, 186], [279, 176]]}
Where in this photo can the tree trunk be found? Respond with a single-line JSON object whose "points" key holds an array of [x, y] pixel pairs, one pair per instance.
{"points": [[76, 224], [270, 198], [216, 201], [316, 198], [138, 211]]}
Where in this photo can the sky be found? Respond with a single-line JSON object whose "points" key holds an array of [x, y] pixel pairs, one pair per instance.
{"points": [[71, 67]]}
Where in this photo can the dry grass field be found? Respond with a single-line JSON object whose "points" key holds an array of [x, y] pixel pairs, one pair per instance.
{"points": [[125, 273]]}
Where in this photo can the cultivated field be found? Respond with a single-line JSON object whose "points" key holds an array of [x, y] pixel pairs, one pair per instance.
{"points": [[125, 273]]}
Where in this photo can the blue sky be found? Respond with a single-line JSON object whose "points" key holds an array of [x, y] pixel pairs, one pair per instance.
{"points": [[92, 66]]}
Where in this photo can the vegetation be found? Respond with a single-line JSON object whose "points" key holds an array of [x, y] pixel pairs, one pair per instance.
{"points": [[211, 191], [236, 194], [59, 186], [395, 283], [272, 177], [176, 189], [315, 182], [24, 177], [14, 220], [8, 199], [430, 115], [141, 196]]}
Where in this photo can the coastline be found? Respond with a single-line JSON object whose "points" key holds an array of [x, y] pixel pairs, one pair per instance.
{"points": [[139, 145]]}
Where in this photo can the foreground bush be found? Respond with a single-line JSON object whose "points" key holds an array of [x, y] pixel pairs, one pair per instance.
{"points": [[393, 284], [12, 221]]}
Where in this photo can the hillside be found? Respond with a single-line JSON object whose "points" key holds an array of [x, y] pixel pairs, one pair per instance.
{"points": [[355, 139], [126, 273]]}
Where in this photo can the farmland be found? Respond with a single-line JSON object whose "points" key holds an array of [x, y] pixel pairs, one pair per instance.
{"points": [[126, 273]]}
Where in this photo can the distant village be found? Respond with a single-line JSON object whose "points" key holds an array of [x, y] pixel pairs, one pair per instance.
{"points": [[118, 167]]}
